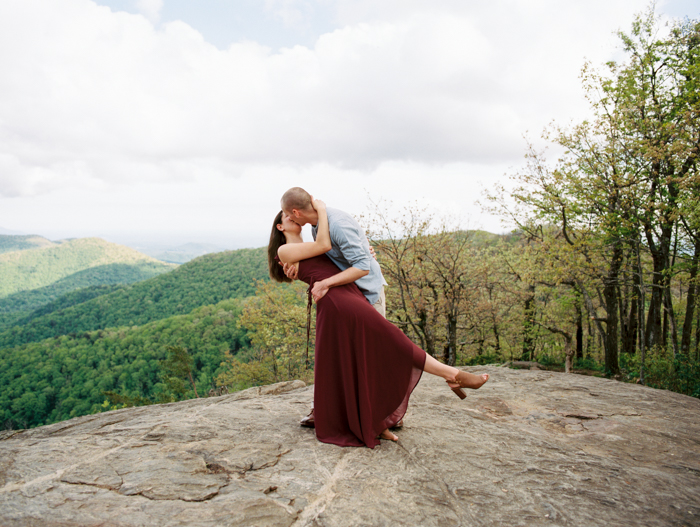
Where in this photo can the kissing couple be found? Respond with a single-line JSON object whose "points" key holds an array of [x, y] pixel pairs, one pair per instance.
{"points": [[365, 367]]}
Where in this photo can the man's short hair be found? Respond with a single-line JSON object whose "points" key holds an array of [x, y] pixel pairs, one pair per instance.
{"points": [[296, 198]]}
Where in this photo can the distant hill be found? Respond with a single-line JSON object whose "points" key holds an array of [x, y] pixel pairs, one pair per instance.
{"points": [[33, 262], [206, 280], [86, 284], [20, 243]]}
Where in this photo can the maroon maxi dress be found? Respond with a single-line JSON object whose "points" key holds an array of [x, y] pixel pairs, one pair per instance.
{"points": [[365, 367]]}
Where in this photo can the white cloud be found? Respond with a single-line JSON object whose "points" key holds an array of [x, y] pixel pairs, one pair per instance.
{"points": [[440, 91], [150, 8], [293, 13]]}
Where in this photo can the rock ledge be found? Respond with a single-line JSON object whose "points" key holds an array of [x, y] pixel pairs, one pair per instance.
{"points": [[529, 448]]}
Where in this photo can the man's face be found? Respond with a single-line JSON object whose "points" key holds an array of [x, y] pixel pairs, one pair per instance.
{"points": [[295, 216]]}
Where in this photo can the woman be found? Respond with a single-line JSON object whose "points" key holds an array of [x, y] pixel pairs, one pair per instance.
{"points": [[365, 367]]}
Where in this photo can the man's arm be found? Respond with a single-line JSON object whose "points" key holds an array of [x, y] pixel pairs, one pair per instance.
{"points": [[352, 244], [349, 240], [320, 288]]}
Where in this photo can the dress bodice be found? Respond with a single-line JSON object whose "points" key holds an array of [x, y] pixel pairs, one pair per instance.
{"points": [[317, 268]]}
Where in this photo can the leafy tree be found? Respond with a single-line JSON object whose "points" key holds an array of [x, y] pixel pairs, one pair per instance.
{"points": [[623, 183], [275, 320], [177, 371]]}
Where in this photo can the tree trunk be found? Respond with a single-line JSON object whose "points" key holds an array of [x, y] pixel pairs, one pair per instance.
{"points": [[569, 351], [660, 281], [426, 333], [641, 292], [611, 355], [628, 327], [697, 337], [194, 386], [579, 328], [610, 294], [496, 337], [631, 317], [450, 349], [528, 324], [654, 329], [690, 303], [668, 308]]}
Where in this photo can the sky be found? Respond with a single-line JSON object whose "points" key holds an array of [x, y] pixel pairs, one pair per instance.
{"points": [[175, 121]]}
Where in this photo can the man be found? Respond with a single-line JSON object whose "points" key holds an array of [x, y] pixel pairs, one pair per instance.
{"points": [[350, 251]]}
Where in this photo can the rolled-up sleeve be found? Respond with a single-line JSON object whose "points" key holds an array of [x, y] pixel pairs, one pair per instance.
{"points": [[351, 244]]}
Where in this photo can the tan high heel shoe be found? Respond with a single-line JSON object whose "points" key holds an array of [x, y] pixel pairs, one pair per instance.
{"points": [[465, 379]]}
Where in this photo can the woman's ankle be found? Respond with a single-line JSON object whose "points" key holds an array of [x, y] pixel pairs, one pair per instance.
{"points": [[452, 377]]}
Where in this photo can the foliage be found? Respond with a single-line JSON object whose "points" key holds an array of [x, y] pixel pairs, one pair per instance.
{"points": [[41, 266], [11, 243], [588, 364], [449, 289], [63, 377], [20, 308], [427, 263], [176, 373], [617, 213], [481, 360], [202, 281], [276, 323], [666, 372]]}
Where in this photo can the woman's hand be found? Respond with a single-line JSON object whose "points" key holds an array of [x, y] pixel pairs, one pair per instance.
{"points": [[291, 270], [317, 204]]}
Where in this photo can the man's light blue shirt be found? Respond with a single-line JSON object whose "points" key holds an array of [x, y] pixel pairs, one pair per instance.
{"points": [[350, 248]]}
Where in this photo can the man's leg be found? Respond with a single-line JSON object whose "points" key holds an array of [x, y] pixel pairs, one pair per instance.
{"points": [[380, 305]]}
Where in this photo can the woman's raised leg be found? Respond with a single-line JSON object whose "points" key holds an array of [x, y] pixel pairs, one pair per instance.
{"points": [[455, 378]]}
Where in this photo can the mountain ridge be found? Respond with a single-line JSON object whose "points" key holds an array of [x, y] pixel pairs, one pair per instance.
{"points": [[35, 267], [206, 280]]}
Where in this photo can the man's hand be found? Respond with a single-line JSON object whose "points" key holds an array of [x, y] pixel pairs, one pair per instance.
{"points": [[291, 270], [319, 290], [371, 251]]}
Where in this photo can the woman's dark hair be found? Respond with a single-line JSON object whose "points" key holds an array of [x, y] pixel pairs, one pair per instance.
{"points": [[277, 240]]}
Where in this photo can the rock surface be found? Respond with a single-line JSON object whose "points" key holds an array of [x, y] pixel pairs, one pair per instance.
{"points": [[529, 448]]}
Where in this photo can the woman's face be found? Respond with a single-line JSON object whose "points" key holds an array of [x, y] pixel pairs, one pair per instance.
{"points": [[288, 225]]}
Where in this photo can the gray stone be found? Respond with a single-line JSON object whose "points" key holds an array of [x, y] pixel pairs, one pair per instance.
{"points": [[529, 448]]}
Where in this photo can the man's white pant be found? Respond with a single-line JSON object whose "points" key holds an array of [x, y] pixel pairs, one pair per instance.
{"points": [[380, 305]]}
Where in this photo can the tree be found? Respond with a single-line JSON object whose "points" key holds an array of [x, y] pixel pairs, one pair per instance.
{"points": [[426, 260], [276, 323], [624, 181], [177, 371], [402, 246], [657, 108]]}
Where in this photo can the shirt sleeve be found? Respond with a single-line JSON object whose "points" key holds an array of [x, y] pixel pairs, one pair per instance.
{"points": [[351, 244]]}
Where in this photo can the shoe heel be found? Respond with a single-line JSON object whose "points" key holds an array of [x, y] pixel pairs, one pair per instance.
{"points": [[459, 392]]}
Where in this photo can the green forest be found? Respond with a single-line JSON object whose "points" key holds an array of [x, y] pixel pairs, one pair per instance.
{"points": [[202, 281], [67, 357], [599, 275], [18, 308]]}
